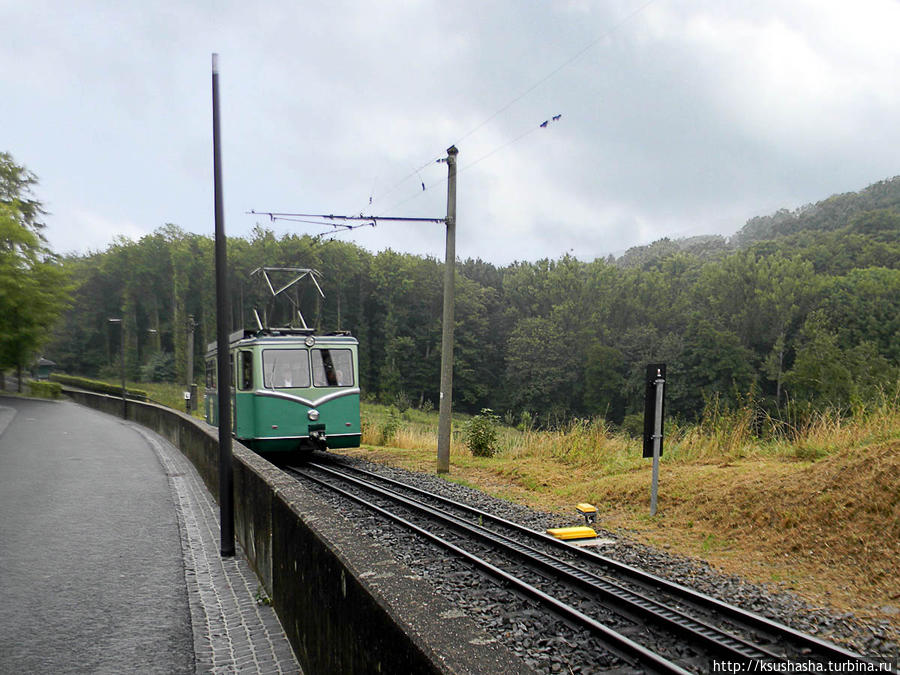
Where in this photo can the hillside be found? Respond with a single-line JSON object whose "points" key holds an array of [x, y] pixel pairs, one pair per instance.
{"points": [[836, 213], [829, 214]]}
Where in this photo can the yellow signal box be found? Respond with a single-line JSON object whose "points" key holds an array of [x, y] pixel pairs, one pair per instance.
{"points": [[589, 511]]}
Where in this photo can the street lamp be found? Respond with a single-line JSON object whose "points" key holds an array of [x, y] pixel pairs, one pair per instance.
{"points": [[122, 362]]}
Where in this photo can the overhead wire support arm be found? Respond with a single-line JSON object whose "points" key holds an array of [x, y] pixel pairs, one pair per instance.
{"points": [[331, 216]]}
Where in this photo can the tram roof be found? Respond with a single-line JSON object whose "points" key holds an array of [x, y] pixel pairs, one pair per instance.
{"points": [[284, 335]]}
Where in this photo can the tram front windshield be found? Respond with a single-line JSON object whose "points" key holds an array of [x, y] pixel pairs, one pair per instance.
{"points": [[285, 368], [332, 367]]}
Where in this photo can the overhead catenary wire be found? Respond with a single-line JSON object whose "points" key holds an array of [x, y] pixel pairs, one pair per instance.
{"points": [[581, 52], [330, 216], [417, 171], [328, 219], [320, 219], [503, 146], [509, 104]]}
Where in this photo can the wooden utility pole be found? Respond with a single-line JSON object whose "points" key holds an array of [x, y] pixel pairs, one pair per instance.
{"points": [[446, 403], [446, 394]]}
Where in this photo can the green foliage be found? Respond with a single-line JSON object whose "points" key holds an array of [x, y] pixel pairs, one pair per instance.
{"points": [[98, 386], [540, 366], [44, 389], [389, 427], [633, 425], [401, 402], [262, 598], [526, 422], [160, 368], [33, 285], [604, 376], [826, 376], [16, 183], [559, 339], [480, 433], [830, 214], [712, 362]]}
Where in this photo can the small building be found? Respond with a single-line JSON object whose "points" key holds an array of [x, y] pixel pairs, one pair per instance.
{"points": [[43, 368]]}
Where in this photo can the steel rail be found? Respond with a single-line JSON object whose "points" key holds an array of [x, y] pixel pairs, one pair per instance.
{"points": [[620, 645], [616, 598], [822, 648]]}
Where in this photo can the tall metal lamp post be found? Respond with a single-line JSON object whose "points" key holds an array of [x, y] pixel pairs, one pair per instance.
{"points": [[122, 363], [223, 369]]}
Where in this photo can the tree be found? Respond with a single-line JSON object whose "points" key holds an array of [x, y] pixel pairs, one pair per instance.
{"points": [[604, 382], [713, 363], [761, 300], [825, 375], [541, 373], [16, 183], [33, 288], [864, 306], [820, 376]]}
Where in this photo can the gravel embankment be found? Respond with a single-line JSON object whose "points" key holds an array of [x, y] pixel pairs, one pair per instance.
{"points": [[549, 645]]}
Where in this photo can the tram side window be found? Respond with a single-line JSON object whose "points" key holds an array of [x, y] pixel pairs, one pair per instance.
{"points": [[285, 368], [246, 381], [332, 367], [211, 374]]}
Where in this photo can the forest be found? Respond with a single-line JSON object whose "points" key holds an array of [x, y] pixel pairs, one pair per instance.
{"points": [[798, 311]]}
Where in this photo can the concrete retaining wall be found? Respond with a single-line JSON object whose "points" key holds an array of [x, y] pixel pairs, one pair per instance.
{"points": [[346, 605]]}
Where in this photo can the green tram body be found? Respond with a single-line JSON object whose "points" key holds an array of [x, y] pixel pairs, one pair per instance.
{"points": [[291, 390]]}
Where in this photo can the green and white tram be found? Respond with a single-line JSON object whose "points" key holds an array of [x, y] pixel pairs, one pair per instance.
{"points": [[290, 389]]}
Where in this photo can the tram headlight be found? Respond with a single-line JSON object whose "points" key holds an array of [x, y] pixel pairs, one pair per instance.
{"points": [[309, 341], [313, 415]]}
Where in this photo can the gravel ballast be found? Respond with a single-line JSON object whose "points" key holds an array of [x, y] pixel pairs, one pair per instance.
{"points": [[546, 643]]}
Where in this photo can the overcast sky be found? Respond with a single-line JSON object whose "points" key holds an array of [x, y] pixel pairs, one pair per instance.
{"points": [[678, 117]]}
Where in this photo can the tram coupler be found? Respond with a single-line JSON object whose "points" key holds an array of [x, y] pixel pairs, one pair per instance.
{"points": [[317, 438]]}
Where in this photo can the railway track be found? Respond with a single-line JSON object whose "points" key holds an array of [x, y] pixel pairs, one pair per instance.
{"points": [[646, 621]]}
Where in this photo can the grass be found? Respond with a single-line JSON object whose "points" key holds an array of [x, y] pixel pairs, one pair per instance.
{"points": [[171, 395], [165, 393], [811, 506]]}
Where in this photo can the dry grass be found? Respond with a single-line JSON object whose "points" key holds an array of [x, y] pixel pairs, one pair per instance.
{"points": [[813, 507]]}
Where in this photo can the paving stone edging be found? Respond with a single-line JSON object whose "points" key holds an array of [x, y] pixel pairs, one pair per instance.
{"points": [[233, 632]]}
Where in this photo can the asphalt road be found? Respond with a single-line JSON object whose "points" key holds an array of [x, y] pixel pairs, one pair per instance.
{"points": [[91, 569]]}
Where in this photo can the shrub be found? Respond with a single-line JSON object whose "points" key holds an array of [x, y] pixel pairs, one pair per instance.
{"points": [[527, 423], [160, 367], [633, 425], [97, 386], [481, 433], [389, 428], [401, 401], [42, 389]]}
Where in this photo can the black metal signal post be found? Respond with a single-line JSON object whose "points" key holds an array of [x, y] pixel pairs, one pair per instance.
{"points": [[654, 409]]}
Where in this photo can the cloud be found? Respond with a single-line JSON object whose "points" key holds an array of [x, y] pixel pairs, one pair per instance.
{"points": [[676, 118], [88, 231]]}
